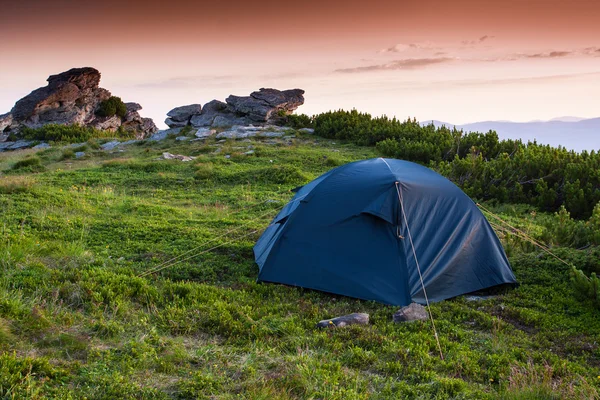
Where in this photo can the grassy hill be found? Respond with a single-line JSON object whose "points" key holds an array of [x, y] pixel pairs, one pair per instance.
{"points": [[78, 321]]}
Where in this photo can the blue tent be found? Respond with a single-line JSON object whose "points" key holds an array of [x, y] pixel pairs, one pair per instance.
{"points": [[352, 232]]}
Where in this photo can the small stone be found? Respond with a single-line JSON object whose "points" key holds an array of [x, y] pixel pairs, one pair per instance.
{"points": [[412, 312], [79, 154], [169, 156], [202, 133], [351, 319], [110, 145], [182, 138], [41, 146], [250, 152], [307, 130], [227, 156]]}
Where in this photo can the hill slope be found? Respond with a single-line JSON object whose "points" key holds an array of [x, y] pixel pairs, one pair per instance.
{"points": [[77, 320]]}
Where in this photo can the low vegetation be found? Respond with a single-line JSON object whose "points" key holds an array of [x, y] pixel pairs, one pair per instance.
{"points": [[80, 317], [69, 133], [111, 107]]}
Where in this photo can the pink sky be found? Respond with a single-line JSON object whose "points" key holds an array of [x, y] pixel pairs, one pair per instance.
{"points": [[459, 61]]}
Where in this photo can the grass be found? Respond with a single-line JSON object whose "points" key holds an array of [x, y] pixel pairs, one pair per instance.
{"points": [[77, 320]]}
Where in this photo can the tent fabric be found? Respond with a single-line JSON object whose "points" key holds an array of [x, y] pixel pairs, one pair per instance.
{"points": [[346, 233]]}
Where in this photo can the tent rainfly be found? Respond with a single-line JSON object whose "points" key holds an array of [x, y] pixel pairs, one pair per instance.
{"points": [[383, 230]]}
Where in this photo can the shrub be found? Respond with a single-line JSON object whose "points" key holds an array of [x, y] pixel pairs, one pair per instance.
{"points": [[33, 164], [112, 106]]}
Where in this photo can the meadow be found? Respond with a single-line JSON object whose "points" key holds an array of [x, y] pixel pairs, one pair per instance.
{"points": [[92, 307]]}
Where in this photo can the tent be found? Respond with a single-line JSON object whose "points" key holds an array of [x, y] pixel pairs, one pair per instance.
{"points": [[383, 229]]}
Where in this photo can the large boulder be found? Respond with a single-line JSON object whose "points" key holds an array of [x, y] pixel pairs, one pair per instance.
{"points": [[266, 104], [180, 116], [262, 107], [73, 97]]}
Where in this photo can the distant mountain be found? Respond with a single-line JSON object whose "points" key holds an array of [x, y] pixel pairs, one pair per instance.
{"points": [[574, 133]]}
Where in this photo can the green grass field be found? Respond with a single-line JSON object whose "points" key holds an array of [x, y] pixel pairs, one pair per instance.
{"points": [[77, 320]]}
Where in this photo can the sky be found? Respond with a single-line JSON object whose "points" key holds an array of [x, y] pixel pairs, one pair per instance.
{"points": [[457, 61]]}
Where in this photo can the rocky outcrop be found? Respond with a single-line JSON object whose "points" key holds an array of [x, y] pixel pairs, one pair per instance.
{"points": [[263, 107], [180, 116], [73, 97]]}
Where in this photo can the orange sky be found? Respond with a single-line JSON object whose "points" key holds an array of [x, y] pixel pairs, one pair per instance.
{"points": [[459, 61]]}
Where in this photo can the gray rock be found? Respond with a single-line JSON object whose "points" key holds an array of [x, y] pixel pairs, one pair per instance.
{"points": [[227, 120], [208, 114], [271, 134], [19, 144], [162, 135], [132, 107], [351, 319], [310, 131], [182, 114], [169, 156], [175, 124], [227, 156], [412, 312], [203, 133], [79, 154], [110, 145], [265, 105], [479, 298], [127, 143], [182, 138], [41, 146], [249, 152], [107, 124]]}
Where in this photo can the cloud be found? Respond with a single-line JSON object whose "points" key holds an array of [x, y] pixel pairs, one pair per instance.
{"points": [[477, 41], [401, 47], [408, 63], [552, 54]]}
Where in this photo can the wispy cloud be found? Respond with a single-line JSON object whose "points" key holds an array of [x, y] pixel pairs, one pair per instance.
{"points": [[402, 47], [408, 63], [477, 41]]}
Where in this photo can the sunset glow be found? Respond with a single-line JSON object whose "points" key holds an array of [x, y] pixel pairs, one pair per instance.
{"points": [[458, 61]]}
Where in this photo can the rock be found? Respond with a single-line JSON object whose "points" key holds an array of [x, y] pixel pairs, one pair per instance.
{"points": [[203, 133], [180, 116], [266, 104], [479, 298], [175, 124], [169, 156], [107, 124], [249, 152], [41, 146], [162, 135], [110, 145], [310, 131], [5, 121], [227, 156], [263, 107], [351, 319], [20, 144], [73, 97], [79, 154], [229, 119], [127, 143], [208, 114], [182, 138], [412, 312]]}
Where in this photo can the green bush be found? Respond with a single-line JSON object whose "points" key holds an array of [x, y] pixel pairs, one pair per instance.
{"points": [[64, 133], [33, 164], [112, 106]]}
